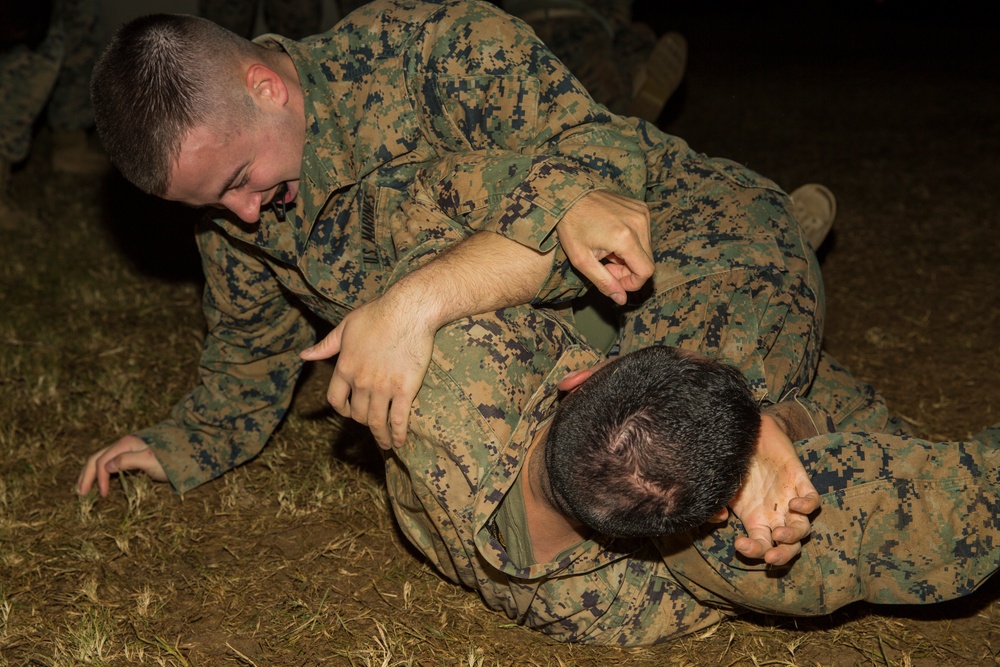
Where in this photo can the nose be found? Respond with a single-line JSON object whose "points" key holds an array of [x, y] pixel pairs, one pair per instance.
{"points": [[246, 206]]}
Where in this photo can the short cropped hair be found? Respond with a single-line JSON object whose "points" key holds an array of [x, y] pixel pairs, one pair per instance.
{"points": [[653, 443], [161, 76]]}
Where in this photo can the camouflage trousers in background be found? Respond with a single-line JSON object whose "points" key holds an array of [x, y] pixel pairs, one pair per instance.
{"points": [[55, 77], [595, 39], [291, 18]]}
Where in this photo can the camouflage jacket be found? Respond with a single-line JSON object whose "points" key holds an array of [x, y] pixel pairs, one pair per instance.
{"points": [[491, 384], [428, 121], [397, 90], [903, 520]]}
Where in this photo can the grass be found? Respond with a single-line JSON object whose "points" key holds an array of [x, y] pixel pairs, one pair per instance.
{"points": [[294, 559]]}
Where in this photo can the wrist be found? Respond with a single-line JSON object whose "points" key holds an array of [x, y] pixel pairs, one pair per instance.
{"points": [[414, 299]]}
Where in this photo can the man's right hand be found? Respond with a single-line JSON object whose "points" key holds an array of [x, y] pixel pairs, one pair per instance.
{"points": [[129, 453], [607, 226]]}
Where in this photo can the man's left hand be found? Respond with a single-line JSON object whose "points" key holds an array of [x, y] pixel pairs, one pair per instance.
{"points": [[384, 353], [775, 500]]}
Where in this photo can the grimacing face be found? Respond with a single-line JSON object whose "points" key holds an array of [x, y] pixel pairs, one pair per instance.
{"points": [[241, 172]]}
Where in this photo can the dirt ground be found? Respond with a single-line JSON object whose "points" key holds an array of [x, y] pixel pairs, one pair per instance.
{"points": [[293, 559]]}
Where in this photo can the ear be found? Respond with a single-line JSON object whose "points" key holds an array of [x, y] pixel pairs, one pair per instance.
{"points": [[574, 379], [266, 85]]}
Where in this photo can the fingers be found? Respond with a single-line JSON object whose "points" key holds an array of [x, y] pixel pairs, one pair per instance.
{"points": [[89, 473], [384, 410], [144, 461], [326, 348], [782, 554], [806, 504], [378, 421], [632, 267], [603, 224], [338, 394], [399, 421], [796, 528], [757, 542], [601, 277], [129, 453], [762, 548]]}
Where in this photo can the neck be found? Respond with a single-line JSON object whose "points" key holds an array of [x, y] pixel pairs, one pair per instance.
{"points": [[550, 531]]}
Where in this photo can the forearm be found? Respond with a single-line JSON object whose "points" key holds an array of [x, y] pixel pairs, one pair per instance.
{"points": [[482, 273]]}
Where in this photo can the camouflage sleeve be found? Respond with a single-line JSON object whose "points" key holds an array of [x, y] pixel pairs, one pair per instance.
{"points": [[482, 81], [249, 365], [458, 196]]}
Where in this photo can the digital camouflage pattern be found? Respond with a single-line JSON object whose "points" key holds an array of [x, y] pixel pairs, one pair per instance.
{"points": [[428, 121], [495, 136], [902, 520], [291, 18], [390, 92], [56, 74]]}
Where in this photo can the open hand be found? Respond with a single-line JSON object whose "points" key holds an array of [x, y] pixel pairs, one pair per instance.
{"points": [[775, 500], [384, 353], [129, 453]]}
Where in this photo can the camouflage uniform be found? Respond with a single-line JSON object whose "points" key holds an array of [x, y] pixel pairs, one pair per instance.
{"points": [[56, 73], [292, 18], [902, 520], [428, 121]]}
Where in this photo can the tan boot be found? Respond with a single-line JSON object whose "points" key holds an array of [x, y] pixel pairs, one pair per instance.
{"points": [[815, 207], [72, 153], [660, 77]]}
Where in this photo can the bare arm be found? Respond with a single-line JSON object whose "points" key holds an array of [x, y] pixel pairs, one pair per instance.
{"points": [[385, 345]]}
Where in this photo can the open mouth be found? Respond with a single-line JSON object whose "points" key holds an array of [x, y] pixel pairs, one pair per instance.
{"points": [[278, 201]]}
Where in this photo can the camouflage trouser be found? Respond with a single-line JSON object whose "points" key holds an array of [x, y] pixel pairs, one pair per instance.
{"points": [[595, 39], [291, 18], [56, 73], [903, 520]]}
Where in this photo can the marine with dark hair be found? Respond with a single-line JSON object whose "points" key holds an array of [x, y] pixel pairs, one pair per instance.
{"points": [[655, 442], [900, 520]]}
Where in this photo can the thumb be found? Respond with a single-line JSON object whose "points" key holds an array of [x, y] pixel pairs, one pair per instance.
{"points": [[605, 281], [326, 348]]}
